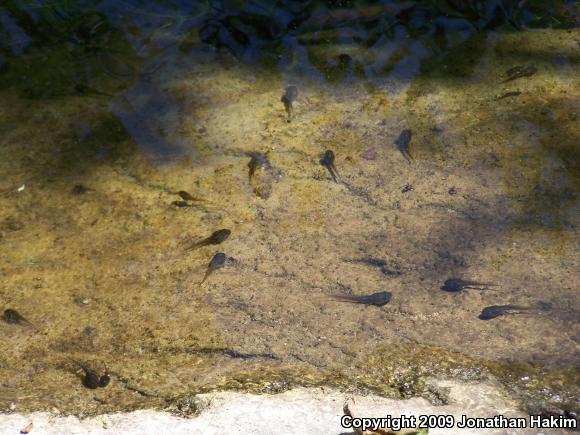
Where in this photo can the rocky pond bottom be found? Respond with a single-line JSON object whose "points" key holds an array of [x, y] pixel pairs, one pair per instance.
{"points": [[338, 270]]}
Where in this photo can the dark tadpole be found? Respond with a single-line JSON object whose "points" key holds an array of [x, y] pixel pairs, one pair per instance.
{"points": [[217, 262], [520, 71], [288, 99], [327, 161], [90, 379], [376, 262], [104, 379], [79, 189], [376, 299], [402, 143], [381, 264], [494, 311], [13, 317], [186, 196], [216, 238], [455, 285], [257, 160]]}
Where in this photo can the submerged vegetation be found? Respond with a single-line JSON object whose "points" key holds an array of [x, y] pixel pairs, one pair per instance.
{"points": [[68, 44]]}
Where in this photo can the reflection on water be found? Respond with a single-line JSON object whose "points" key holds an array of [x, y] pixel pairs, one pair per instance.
{"points": [[431, 147]]}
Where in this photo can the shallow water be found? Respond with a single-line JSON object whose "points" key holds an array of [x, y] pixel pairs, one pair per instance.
{"points": [[136, 102]]}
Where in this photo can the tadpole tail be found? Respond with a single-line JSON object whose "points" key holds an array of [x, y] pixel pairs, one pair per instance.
{"points": [[334, 176], [525, 310], [539, 308], [345, 298], [207, 274], [197, 245], [288, 107], [474, 285], [251, 172], [333, 173], [334, 170], [407, 156]]}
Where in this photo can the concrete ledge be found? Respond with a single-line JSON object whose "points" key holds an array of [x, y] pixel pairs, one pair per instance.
{"points": [[300, 411]]}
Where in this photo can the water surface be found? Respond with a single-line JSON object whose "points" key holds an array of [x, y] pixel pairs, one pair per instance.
{"points": [[136, 101]]}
